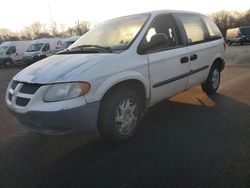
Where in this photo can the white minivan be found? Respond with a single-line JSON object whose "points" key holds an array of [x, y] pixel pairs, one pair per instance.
{"points": [[12, 52], [108, 78], [42, 48]]}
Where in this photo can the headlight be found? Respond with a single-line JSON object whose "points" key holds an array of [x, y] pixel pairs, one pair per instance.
{"points": [[65, 91]]}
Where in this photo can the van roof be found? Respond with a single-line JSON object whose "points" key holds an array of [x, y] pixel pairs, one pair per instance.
{"points": [[7, 43], [156, 12]]}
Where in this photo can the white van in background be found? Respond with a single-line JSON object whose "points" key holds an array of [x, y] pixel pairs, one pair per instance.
{"points": [[42, 48], [12, 52], [69, 41]]}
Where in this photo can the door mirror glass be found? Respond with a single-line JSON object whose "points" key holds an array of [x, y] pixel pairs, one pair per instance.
{"points": [[158, 40]]}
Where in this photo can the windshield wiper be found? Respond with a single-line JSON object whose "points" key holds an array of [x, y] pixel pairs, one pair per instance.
{"points": [[106, 48]]}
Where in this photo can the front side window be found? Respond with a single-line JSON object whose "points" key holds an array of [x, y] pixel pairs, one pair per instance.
{"points": [[35, 47], [161, 35], [116, 34], [194, 28], [164, 24], [11, 50]]}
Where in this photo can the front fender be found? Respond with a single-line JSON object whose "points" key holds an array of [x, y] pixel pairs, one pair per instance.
{"points": [[115, 79]]}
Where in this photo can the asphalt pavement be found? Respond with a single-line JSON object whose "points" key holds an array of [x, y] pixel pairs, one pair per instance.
{"points": [[189, 140]]}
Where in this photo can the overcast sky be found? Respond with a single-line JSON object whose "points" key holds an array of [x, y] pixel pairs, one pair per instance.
{"points": [[15, 14]]}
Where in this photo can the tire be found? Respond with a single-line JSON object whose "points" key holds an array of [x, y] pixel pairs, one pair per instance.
{"points": [[241, 42], [229, 43], [120, 115], [8, 63], [213, 81]]}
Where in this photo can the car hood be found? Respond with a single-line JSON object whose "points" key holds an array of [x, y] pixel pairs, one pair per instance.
{"points": [[60, 68]]}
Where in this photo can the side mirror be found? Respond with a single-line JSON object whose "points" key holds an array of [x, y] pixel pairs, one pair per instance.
{"points": [[8, 52], [156, 41], [44, 49]]}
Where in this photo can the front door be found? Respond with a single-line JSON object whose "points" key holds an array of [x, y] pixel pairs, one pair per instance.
{"points": [[168, 64]]}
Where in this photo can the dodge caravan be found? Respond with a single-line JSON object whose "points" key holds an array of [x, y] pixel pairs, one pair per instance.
{"points": [[108, 78]]}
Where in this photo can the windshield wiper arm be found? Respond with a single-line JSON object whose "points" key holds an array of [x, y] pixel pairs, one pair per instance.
{"points": [[107, 48]]}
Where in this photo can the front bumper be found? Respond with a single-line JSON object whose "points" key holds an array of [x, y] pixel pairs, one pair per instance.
{"points": [[4, 59], [31, 59], [75, 115], [81, 119]]}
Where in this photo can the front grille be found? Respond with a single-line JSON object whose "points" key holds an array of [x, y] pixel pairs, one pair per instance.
{"points": [[14, 84], [24, 88], [29, 88], [22, 101], [10, 97]]}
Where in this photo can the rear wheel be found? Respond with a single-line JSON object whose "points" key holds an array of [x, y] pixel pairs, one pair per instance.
{"points": [[241, 42], [213, 81], [120, 115], [229, 43]]}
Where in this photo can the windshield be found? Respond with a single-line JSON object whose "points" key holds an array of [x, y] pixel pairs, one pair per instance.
{"points": [[116, 34], [245, 31], [3, 49], [34, 47]]}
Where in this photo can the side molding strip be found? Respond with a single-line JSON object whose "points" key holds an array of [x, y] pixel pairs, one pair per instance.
{"points": [[179, 77]]}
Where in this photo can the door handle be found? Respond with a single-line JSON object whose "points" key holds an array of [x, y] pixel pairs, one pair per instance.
{"points": [[193, 57], [184, 59]]}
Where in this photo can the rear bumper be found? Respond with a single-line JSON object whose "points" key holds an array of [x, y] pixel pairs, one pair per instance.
{"points": [[81, 119]]}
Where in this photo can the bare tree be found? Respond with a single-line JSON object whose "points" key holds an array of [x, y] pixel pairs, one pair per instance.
{"points": [[36, 29], [226, 20], [26, 33]]}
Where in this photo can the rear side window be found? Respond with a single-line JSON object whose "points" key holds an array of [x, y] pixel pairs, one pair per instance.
{"points": [[194, 28], [213, 30]]}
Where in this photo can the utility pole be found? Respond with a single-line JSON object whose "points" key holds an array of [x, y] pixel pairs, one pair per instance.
{"points": [[50, 14]]}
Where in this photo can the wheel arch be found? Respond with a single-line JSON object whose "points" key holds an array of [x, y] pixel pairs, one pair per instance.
{"points": [[129, 79], [219, 62]]}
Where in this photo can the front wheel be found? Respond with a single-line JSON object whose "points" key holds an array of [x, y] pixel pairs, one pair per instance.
{"points": [[213, 81], [8, 63], [120, 115]]}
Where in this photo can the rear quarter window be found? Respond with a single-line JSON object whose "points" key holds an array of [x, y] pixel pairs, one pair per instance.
{"points": [[213, 30]]}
